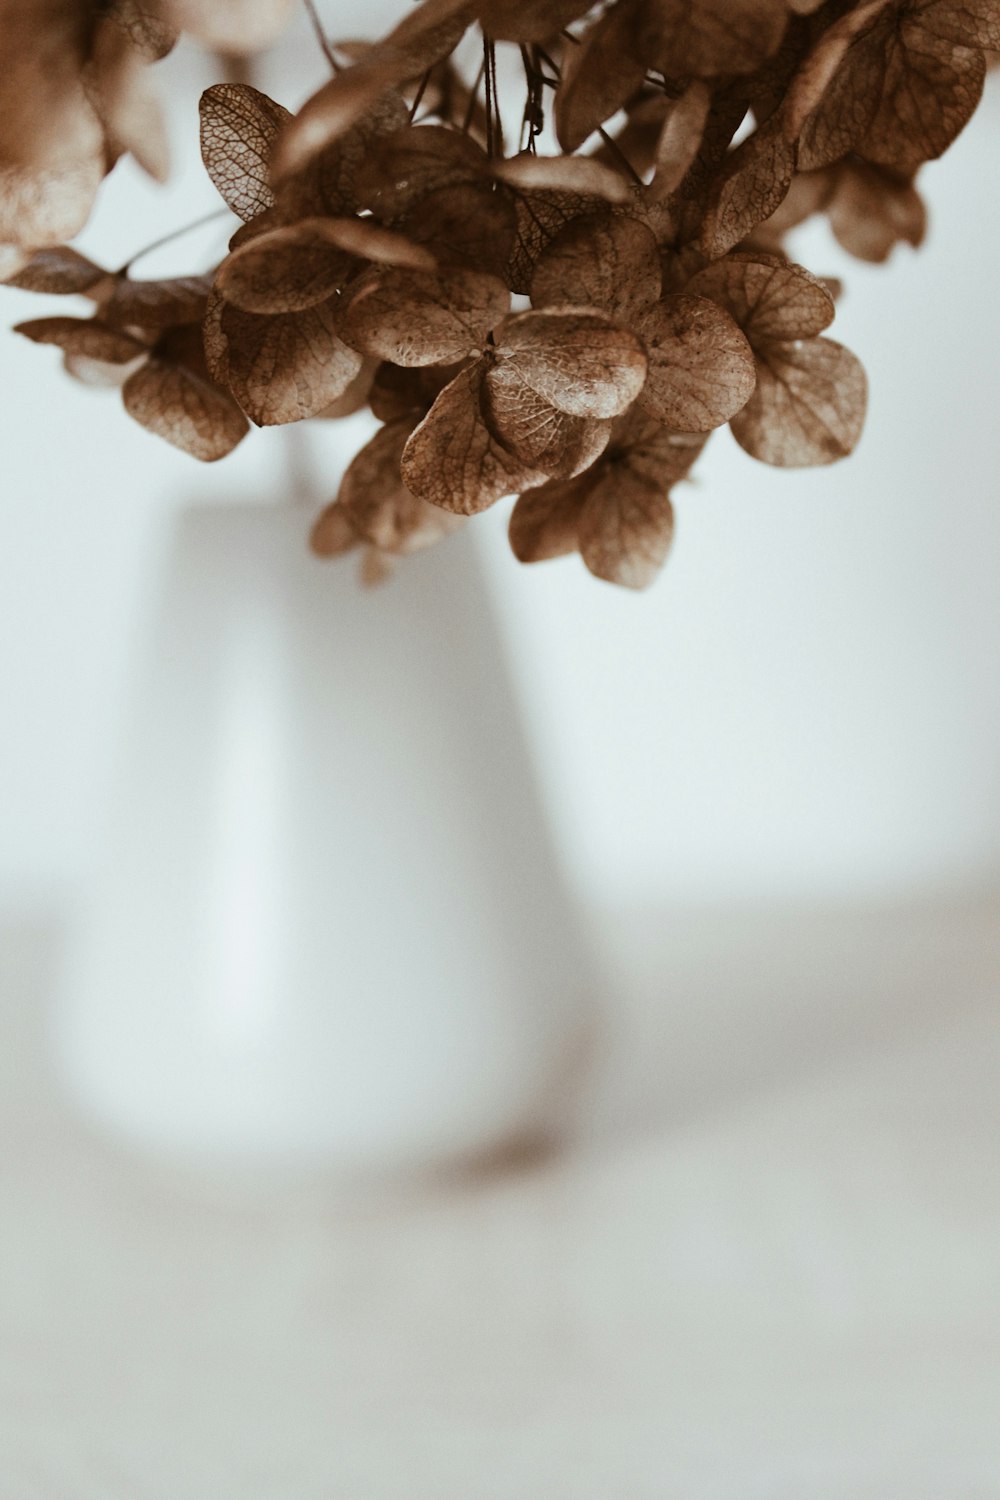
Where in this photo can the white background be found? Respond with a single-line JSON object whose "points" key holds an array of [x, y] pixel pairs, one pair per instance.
{"points": [[806, 704]]}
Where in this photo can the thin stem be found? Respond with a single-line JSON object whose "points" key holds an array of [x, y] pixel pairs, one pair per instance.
{"points": [[321, 36], [470, 109], [175, 234], [619, 155], [421, 90]]}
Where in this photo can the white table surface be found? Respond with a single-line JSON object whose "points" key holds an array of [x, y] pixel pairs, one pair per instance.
{"points": [[768, 1268]]}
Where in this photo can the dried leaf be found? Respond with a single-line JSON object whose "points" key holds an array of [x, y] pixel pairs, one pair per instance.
{"points": [[239, 127], [188, 412], [283, 368], [701, 367], [808, 406], [422, 318], [970, 23], [377, 504], [117, 84], [600, 74], [566, 174], [806, 90], [285, 270], [770, 299], [408, 393], [87, 336], [575, 358], [329, 184], [534, 431], [13, 259], [59, 271], [609, 263], [453, 460]]}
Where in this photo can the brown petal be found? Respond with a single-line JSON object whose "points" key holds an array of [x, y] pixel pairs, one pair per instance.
{"points": [[528, 20], [679, 140], [872, 210], [333, 532], [118, 84], [701, 367], [420, 318], [329, 184], [153, 305], [284, 270], [465, 224], [576, 358], [808, 406], [822, 64], [13, 259], [540, 216], [930, 91], [368, 241], [543, 523], [769, 299], [60, 271], [380, 508], [239, 126], [421, 39], [288, 367], [452, 459], [214, 340], [707, 38], [412, 162], [598, 261], [188, 412], [625, 529], [87, 336], [408, 393], [567, 174], [750, 186], [972, 23], [849, 102], [535, 432], [600, 74]]}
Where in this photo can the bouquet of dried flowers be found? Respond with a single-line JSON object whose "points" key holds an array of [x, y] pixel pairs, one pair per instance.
{"points": [[541, 239]]}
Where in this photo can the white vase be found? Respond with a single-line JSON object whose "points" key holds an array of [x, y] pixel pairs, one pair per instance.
{"points": [[328, 928]]}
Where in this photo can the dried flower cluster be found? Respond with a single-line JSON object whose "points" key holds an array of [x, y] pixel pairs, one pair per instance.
{"points": [[564, 317]]}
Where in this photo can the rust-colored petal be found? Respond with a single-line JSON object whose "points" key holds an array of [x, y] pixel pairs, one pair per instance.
{"points": [[564, 174], [701, 367], [577, 359], [287, 367], [769, 298], [808, 406], [625, 529], [609, 263], [871, 210], [155, 305], [599, 74], [423, 318], [452, 458], [378, 505], [543, 523], [88, 336], [59, 271], [239, 127], [528, 20], [187, 411], [536, 432], [930, 91], [285, 270]]}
